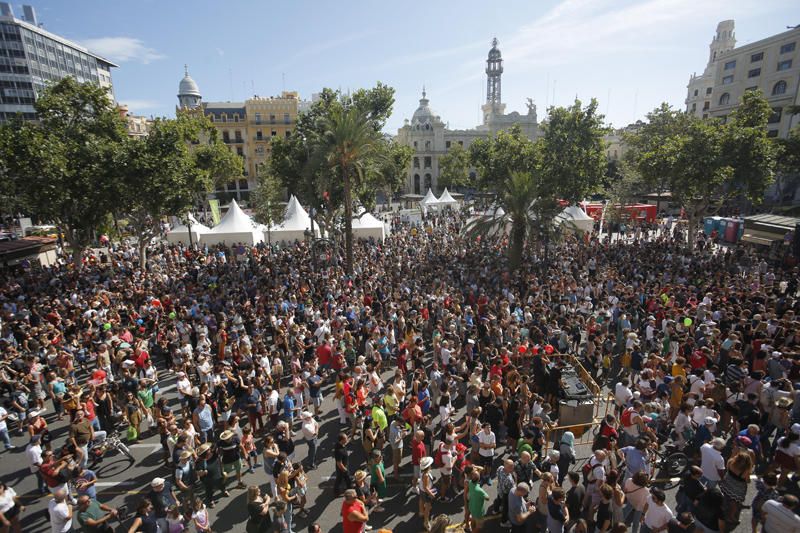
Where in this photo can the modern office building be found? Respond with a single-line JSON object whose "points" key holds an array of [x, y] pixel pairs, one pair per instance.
{"points": [[30, 57], [430, 138], [247, 127], [770, 65]]}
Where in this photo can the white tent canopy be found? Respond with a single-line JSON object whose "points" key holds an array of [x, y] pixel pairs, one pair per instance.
{"points": [[575, 217], [430, 200], [295, 223], [180, 233], [368, 226], [235, 227], [446, 199]]}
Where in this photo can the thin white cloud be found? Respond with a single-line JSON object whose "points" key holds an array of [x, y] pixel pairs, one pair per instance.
{"points": [[577, 31], [123, 49], [220, 52], [135, 106]]}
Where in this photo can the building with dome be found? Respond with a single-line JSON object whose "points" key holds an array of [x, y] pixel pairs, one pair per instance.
{"points": [[188, 92], [430, 138], [247, 128]]}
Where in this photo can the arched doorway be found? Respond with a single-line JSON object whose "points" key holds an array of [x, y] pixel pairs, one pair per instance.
{"points": [[416, 184], [428, 182]]}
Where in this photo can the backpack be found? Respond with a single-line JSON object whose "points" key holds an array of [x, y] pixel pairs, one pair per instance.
{"points": [[627, 416], [437, 457]]}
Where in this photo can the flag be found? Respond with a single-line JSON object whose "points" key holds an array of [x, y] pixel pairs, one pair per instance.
{"points": [[214, 211]]}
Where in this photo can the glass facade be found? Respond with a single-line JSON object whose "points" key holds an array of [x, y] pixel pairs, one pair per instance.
{"points": [[30, 59]]}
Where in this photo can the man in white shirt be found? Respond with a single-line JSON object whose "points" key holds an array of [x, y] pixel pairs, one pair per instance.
{"points": [[445, 354], [4, 430], [310, 430], [487, 443], [779, 516], [33, 452], [622, 394], [60, 512], [712, 462]]}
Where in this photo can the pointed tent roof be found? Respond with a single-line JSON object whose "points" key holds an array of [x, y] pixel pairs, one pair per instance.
{"points": [[234, 221], [576, 217], [197, 227], [429, 199], [296, 218], [446, 198], [367, 220]]}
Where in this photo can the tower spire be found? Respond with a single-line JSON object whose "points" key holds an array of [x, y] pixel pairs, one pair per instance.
{"points": [[185, 69], [423, 90], [494, 71]]}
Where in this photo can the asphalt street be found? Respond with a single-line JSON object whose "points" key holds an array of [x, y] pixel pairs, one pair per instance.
{"points": [[122, 483]]}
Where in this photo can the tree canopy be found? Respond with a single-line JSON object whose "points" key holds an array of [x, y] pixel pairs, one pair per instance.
{"points": [[454, 168]]}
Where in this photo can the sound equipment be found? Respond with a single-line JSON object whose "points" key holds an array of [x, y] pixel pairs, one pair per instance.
{"points": [[572, 387], [573, 412]]}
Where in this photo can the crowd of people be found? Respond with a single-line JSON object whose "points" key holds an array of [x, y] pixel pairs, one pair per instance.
{"points": [[443, 370]]}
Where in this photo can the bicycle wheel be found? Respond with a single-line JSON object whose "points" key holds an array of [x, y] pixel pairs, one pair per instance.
{"points": [[675, 464], [124, 449]]}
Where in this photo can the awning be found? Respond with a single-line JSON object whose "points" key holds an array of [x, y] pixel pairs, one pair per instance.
{"points": [[759, 239]]}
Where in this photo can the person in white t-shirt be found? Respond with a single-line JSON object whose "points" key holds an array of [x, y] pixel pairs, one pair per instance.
{"points": [[622, 394], [656, 513], [60, 512], [487, 443], [712, 462], [4, 430]]}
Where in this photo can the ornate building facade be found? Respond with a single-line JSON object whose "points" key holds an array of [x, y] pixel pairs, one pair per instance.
{"points": [[430, 138]]}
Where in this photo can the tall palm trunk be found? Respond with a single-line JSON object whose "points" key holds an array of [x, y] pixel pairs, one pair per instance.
{"points": [[517, 244], [348, 221]]}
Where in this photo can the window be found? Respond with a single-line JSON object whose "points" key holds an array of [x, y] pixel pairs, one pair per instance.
{"points": [[416, 162], [705, 115], [239, 151], [727, 80], [461, 143], [231, 186], [694, 107], [730, 65], [236, 117], [753, 88], [286, 118], [775, 117], [415, 144], [226, 138], [708, 90], [695, 92], [427, 145], [273, 133], [772, 133], [238, 136], [287, 133], [725, 99], [788, 47], [757, 57], [259, 135], [779, 88], [272, 119], [258, 118], [428, 162], [243, 185], [706, 104], [755, 72], [447, 144], [224, 118], [785, 65]]}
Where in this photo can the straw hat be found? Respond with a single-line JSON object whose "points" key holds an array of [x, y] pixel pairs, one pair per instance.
{"points": [[186, 454], [203, 448], [360, 475], [226, 435], [425, 463]]}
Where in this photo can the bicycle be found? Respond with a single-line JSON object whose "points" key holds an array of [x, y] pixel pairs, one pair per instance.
{"points": [[671, 464], [112, 442]]}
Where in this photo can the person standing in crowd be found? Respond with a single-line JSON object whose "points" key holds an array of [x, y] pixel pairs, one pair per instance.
{"points": [[10, 509], [656, 512], [341, 457], [94, 517], [310, 430], [60, 511], [354, 514]]}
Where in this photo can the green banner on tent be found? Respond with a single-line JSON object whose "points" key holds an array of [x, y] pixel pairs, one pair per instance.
{"points": [[214, 211]]}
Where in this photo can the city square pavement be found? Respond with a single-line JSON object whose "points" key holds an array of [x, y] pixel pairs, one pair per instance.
{"points": [[122, 483]]}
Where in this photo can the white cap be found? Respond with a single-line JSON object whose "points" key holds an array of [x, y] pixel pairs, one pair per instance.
{"points": [[157, 482]]}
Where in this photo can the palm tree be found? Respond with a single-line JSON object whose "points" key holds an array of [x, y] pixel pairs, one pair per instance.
{"points": [[351, 147], [512, 213]]}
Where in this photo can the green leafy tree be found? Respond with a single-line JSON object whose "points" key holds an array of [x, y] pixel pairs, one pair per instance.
{"points": [[704, 162], [573, 150], [268, 199], [168, 170], [71, 173], [454, 168]]}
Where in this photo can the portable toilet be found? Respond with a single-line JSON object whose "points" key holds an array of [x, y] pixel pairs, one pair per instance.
{"points": [[732, 230], [708, 226]]}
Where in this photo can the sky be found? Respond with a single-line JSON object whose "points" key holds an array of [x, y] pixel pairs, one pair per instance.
{"points": [[629, 54]]}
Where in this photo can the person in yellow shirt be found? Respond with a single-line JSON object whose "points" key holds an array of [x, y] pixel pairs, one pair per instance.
{"points": [[678, 368]]}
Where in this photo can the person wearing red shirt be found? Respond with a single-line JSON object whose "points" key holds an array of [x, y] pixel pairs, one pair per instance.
{"points": [[417, 453], [698, 359], [354, 513], [412, 414], [324, 354]]}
